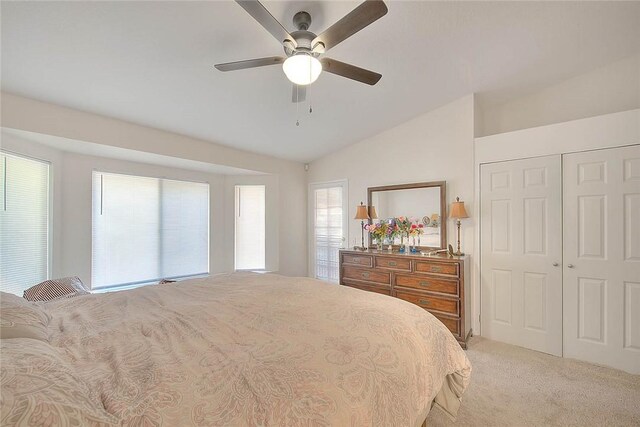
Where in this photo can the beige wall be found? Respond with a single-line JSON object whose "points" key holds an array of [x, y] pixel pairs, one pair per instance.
{"points": [[288, 256], [609, 89], [433, 147]]}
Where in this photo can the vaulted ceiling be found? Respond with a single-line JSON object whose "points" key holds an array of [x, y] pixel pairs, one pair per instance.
{"points": [[151, 63]]}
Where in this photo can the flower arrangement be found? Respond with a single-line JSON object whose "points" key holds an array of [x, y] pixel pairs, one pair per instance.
{"points": [[404, 225], [378, 230], [417, 228], [391, 228]]}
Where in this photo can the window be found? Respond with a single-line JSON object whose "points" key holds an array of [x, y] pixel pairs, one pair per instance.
{"points": [[250, 227], [24, 222], [146, 229], [329, 228]]}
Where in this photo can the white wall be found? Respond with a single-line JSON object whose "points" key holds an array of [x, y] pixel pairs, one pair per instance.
{"points": [[290, 221], [609, 89], [437, 146]]}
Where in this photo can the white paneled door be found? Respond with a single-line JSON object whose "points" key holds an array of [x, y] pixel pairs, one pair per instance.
{"points": [[602, 257], [521, 253]]}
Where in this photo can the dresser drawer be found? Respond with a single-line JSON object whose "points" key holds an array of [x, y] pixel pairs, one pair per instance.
{"points": [[370, 288], [363, 260], [453, 324], [428, 283], [393, 263], [365, 275], [445, 268], [430, 302]]}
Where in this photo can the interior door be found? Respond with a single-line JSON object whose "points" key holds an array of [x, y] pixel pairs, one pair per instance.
{"points": [[602, 257], [521, 253]]}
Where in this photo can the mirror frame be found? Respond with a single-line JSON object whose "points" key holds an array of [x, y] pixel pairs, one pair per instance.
{"points": [[443, 204]]}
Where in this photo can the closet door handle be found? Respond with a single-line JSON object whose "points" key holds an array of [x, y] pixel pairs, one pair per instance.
{"points": [[555, 264], [570, 265]]}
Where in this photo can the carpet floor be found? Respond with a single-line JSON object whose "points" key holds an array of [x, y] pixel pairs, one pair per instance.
{"points": [[513, 386]]}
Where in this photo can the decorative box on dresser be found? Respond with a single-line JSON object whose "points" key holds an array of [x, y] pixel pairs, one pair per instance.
{"points": [[437, 283]]}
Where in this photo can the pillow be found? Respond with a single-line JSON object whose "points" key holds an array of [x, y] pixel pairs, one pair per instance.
{"points": [[51, 289], [21, 319], [40, 388]]}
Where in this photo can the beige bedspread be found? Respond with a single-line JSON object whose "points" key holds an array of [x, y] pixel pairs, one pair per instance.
{"points": [[250, 349]]}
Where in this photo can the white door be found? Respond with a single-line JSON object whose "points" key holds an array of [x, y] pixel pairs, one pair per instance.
{"points": [[521, 253], [602, 257], [327, 203]]}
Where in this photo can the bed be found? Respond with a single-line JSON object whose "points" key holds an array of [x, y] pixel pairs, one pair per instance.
{"points": [[234, 349]]}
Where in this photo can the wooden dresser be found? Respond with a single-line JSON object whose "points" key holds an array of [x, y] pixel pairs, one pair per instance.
{"points": [[438, 283]]}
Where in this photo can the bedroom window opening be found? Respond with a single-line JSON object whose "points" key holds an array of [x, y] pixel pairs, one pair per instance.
{"points": [[147, 229], [329, 229], [24, 222], [250, 227]]}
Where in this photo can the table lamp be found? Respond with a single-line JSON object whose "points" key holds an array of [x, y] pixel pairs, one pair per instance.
{"points": [[458, 212], [362, 213]]}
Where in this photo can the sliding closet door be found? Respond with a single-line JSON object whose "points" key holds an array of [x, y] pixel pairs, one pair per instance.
{"points": [[521, 253], [602, 257]]}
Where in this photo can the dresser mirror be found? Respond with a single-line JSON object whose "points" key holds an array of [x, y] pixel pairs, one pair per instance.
{"points": [[424, 203]]}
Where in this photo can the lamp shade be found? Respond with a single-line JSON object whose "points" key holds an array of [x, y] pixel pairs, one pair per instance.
{"points": [[361, 212], [372, 212], [457, 210], [435, 217], [302, 69]]}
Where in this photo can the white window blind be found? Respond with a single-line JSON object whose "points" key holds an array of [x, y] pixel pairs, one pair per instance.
{"points": [[24, 222], [250, 227], [328, 231], [145, 229]]}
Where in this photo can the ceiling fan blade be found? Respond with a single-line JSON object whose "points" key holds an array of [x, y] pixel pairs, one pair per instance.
{"points": [[250, 63], [363, 15], [298, 93], [350, 71], [266, 19]]}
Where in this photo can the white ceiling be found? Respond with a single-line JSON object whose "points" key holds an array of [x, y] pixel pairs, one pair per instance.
{"points": [[151, 63]]}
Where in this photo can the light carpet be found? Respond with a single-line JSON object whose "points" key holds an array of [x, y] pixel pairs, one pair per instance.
{"points": [[513, 386]]}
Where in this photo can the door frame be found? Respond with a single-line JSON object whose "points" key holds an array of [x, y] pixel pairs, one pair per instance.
{"points": [[344, 183], [593, 133]]}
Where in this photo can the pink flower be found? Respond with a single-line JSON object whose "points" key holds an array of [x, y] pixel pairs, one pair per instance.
{"points": [[413, 226], [420, 225]]}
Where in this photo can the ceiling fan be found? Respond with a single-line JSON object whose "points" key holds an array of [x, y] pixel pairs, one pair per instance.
{"points": [[304, 50]]}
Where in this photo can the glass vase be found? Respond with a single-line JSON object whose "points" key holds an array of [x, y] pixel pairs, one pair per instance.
{"points": [[403, 248]]}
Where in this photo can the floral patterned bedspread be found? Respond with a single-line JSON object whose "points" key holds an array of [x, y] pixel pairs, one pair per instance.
{"points": [[250, 349]]}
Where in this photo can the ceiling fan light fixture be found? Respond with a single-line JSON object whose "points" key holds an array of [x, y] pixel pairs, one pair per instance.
{"points": [[302, 68]]}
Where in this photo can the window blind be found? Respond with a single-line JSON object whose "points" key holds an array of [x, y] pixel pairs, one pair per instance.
{"points": [[24, 222], [145, 229], [328, 232], [250, 227]]}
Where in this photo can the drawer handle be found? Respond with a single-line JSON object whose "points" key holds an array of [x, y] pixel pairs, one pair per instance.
{"points": [[392, 263], [365, 275], [424, 301], [424, 283], [436, 269]]}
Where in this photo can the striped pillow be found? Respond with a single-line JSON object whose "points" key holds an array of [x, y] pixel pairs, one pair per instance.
{"points": [[51, 289]]}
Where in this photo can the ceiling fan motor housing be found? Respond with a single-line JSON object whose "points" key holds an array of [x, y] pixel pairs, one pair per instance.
{"points": [[303, 37]]}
